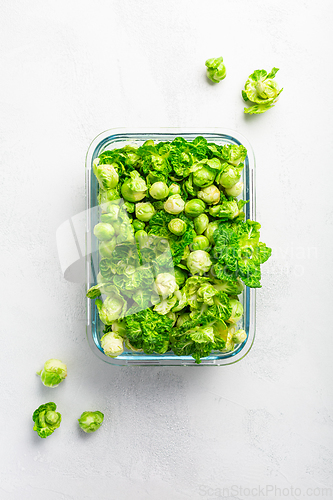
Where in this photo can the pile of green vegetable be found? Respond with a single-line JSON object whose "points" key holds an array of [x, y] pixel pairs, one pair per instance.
{"points": [[175, 248]]}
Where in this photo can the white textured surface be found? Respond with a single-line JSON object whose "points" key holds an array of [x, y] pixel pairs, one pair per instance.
{"points": [[70, 70]]}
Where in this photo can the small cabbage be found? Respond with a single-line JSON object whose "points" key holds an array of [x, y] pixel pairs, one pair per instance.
{"points": [[165, 285], [261, 90], [186, 252], [177, 226], [174, 189], [159, 190], [235, 190], [90, 421], [107, 175], [104, 231], [134, 188], [180, 276], [112, 344], [216, 69], [206, 293], [201, 223], [211, 228], [174, 204], [200, 243], [239, 336], [236, 311], [144, 211], [194, 207], [113, 307], [230, 176], [210, 195], [204, 177], [54, 372], [46, 419], [199, 262], [142, 238], [138, 225]]}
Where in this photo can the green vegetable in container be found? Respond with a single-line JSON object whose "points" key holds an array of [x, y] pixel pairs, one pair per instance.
{"points": [[261, 91], [144, 211], [177, 226], [103, 231], [134, 188], [53, 372], [210, 195], [201, 223], [174, 204], [90, 421], [46, 419], [112, 344], [106, 175], [159, 190], [194, 207], [199, 262], [216, 71]]}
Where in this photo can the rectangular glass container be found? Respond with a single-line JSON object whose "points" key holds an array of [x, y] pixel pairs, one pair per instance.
{"points": [[117, 138]]}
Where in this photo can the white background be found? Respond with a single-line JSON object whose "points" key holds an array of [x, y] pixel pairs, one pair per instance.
{"points": [[70, 70]]}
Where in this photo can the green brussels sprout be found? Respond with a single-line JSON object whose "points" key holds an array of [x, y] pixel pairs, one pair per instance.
{"points": [[261, 90], [206, 293], [159, 190], [174, 204], [201, 223], [104, 231], [113, 307], [165, 305], [142, 238], [180, 276], [183, 318], [90, 421], [130, 207], [235, 190], [105, 197], [177, 226], [126, 233], [111, 215], [199, 262], [54, 372], [200, 243], [138, 225], [229, 177], [165, 284], [134, 188], [204, 177], [106, 248], [46, 419], [106, 175], [214, 210], [236, 311], [112, 344], [211, 228], [216, 69], [144, 211], [195, 207], [239, 336], [186, 253], [174, 189], [210, 195]]}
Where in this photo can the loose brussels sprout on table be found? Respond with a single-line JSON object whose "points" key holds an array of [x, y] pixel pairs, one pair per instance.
{"points": [[216, 69], [90, 421], [175, 249], [53, 372], [46, 419], [261, 90]]}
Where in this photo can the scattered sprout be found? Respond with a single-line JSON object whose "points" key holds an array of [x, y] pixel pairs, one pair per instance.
{"points": [[138, 225], [54, 372], [90, 421], [46, 419], [216, 69], [261, 90], [211, 228]]}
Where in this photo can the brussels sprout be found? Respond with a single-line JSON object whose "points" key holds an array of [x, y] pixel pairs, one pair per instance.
{"points": [[236, 311], [142, 238], [90, 421], [214, 210], [211, 228], [200, 243], [112, 214], [262, 90], [239, 336], [216, 69], [104, 231], [195, 207], [201, 223], [206, 293], [165, 284], [53, 373], [112, 344], [134, 188], [210, 195], [229, 177], [177, 226], [204, 177], [46, 419], [144, 211], [113, 307], [235, 190], [159, 190], [199, 262], [183, 318], [174, 189], [105, 197], [180, 276], [130, 207], [106, 248], [107, 175], [186, 253], [138, 225], [174, 204]]}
